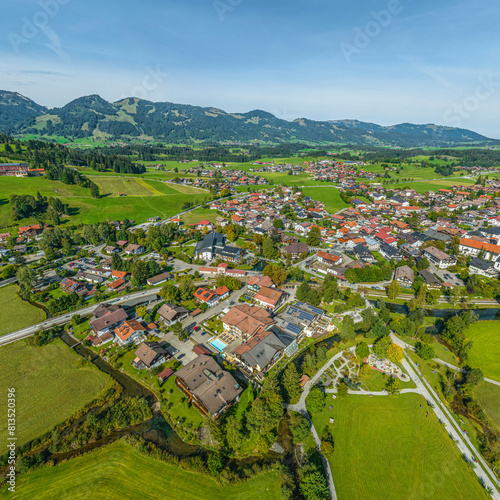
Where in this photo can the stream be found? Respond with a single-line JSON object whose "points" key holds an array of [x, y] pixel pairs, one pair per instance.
{"points": [[148, 430]]}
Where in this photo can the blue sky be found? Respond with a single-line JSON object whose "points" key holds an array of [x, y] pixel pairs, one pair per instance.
{"points": [[421, 61]]}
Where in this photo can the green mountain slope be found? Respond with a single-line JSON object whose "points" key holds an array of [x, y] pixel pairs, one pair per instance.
{"points": [[132, 118]]}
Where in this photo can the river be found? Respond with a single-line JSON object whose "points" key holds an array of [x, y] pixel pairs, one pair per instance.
{"points": [[157, 428]]}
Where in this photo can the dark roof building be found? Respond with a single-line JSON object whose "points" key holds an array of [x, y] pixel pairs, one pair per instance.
{"points": [[211, 389]]}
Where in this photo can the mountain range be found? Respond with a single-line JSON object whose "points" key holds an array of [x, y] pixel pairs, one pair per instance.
{"points": [[133, 119]]}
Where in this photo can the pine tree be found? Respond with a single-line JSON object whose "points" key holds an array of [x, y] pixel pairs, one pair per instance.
{"points": [[291, 382]]}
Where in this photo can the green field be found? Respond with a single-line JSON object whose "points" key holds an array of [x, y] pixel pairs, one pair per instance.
{"points": [[434, 185], [485, 352], [115, 186], [120, 472], [143, 198], [488, 397], [385, 447], [51, 384], [15, 312], [330, 196]]}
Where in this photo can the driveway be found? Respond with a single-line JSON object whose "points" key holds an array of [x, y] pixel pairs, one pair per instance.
{"points": [[185, 349]]}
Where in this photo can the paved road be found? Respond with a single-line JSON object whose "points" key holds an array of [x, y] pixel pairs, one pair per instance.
{"points": [[300, 407], [61, 320], [463, 442], [404, 345]]}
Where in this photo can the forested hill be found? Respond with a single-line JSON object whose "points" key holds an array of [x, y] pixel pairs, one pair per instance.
{"points": [[134, 118]]}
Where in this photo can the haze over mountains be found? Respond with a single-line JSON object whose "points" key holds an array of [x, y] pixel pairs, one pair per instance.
{"points": [[137, 119]]}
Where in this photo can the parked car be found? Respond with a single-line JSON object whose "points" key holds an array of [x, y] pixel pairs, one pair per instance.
{"points": [[196, 328]]}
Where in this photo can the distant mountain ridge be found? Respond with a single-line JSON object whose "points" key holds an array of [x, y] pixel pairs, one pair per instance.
{"points": [[133, 118]]}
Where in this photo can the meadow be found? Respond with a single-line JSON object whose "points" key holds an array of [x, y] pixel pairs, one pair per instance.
{"points": [[485, 352], [15, 312], [434, 185], [488, 397], [143, 199], [386, 447], [120, 472], [330, 196], [51, 384]]}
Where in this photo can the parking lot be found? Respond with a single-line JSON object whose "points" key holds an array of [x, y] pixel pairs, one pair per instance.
{"points": [[185, 352], [446, 276]]}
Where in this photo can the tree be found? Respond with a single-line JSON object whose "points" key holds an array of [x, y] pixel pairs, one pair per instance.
{"points": [[314, 236], [455, 295], [291, 382], [393, 385], [234, 433], [276, 272], [177, 328], [303, 291], [342, 390], [347, 330], [299, 427], [315, 401], [395, 353], [327, 448], [278, 224], [269, 250], [170, 292], [381, 347], [141, 311], [116, 262], [393, 290], [362, 350], [423, 264], [425, 351], [313, 485], [25, 278], [215, 463]]}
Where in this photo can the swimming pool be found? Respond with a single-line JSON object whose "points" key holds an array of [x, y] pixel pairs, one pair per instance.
{"points": [[218, 344]]}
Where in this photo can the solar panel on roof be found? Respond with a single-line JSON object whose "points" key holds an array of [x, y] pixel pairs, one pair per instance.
{"points": [[315, 310], [293, 328], [306, 316]]}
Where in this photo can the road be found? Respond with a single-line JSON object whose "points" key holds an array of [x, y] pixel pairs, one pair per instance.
{"points": [[404, 345], [300, 407], [464, 444], [61, 320], [484, 473]]}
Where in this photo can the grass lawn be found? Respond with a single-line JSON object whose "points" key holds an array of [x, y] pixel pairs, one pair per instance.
{"points": [[485, 352], [120, 472], [441, 351], [15, 312], [330, 196], [198, 215], [181, 410], [385, 447], [51, 384], [488, 396]]}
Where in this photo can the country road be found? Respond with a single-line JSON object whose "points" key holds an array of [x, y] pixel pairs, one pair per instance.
{"points": [[61, 320]]}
